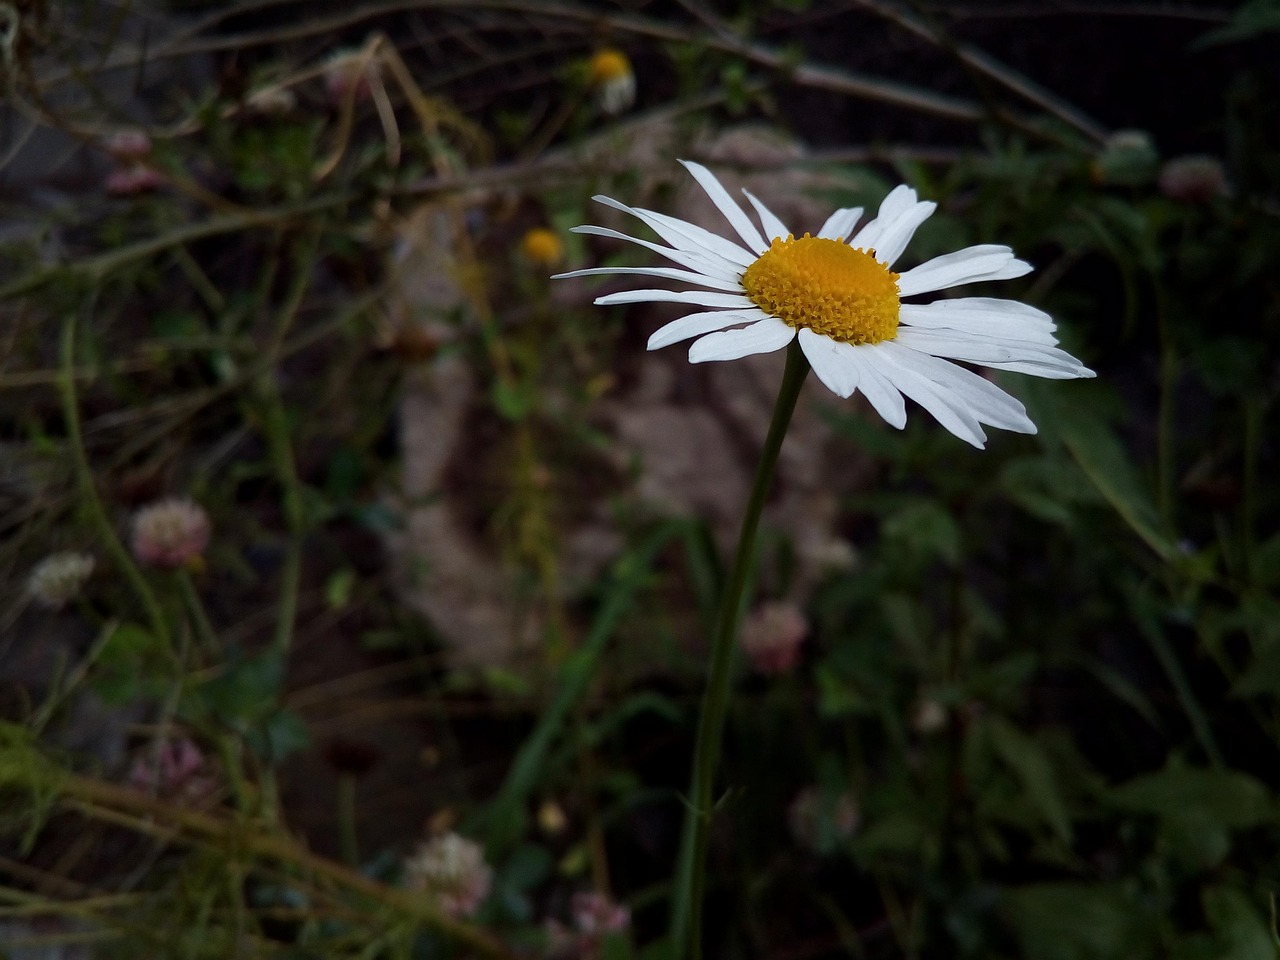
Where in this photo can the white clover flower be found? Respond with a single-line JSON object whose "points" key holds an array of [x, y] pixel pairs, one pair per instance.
{"points": [[451, 869], [58, 578], [170, 533], [836, 292], [771, 636]]}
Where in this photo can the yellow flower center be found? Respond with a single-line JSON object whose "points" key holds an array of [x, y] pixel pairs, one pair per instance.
{"points": [[827, 286], [609, 64]]}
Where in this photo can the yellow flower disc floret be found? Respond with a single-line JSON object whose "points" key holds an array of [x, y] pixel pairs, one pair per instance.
{"points": [[827, 286], [608, 64]]}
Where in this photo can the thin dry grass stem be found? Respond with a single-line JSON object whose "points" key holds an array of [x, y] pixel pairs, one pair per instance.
{"points": [[989, 67], [136, 811]]}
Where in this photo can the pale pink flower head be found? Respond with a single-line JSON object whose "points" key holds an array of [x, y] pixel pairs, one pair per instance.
{"points": [[594, 917], [771, 636], [1193, 179], [133, 179], [170, 533], [594, 914], [128, 145], [178, 768], [929, 716], [58, 578], [452, 870], [821, 820], [347, 74]]}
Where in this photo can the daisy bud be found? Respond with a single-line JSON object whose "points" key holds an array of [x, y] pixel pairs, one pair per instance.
{"points": [[610, 75], [820, 821], [1128, 158], [552, 819], [451, 869], [58, 578], [771, 637], [1193, 179], [542, 246], [170, 533]]}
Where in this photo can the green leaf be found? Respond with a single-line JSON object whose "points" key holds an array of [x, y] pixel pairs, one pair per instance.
{"points": [[1078, 921], [338, 588], [1241, 932], [839, 694], [925, 527], [513, 401], [1031, 765], [281, 733], [1250, 20], [1227, 797], [1104, 461]]}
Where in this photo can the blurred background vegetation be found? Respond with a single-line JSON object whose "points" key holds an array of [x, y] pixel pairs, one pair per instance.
{"points": [[408, 662]]}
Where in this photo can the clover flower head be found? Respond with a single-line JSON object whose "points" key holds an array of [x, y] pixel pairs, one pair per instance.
{"points": [[928, 716], [610, 75], [1193, 179], [594, 914], [836, 292], [178, 768], [58, 579], [128, 145], [452, 870], [771, 636], [170, 533], [134, 178], [820, 820]]}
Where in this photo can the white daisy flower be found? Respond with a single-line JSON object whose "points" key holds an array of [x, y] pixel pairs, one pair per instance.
{"points": [[837, 292]]}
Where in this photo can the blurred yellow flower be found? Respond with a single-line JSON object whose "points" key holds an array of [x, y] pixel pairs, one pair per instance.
{"points": [[610, 73], [542, 246]]}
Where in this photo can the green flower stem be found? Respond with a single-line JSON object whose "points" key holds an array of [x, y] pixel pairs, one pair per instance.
{"points": [[686, 928], [195, 610], [89, 490]]}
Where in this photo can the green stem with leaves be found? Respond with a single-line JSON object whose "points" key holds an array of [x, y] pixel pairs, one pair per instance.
{"points": [[686, 926]]}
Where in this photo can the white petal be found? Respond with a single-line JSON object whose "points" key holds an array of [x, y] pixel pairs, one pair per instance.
{"points": [[701, 298], [696, 324], [712, 267], [947, 408], [839, 225], [899, 201], [724, 203], [988, 402], [980, 316], [880, 393], [895, 237], [773, 227], [764, 336], [990, 351], [685, 235], [833, 368], [666, 273], [986, 261]]}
